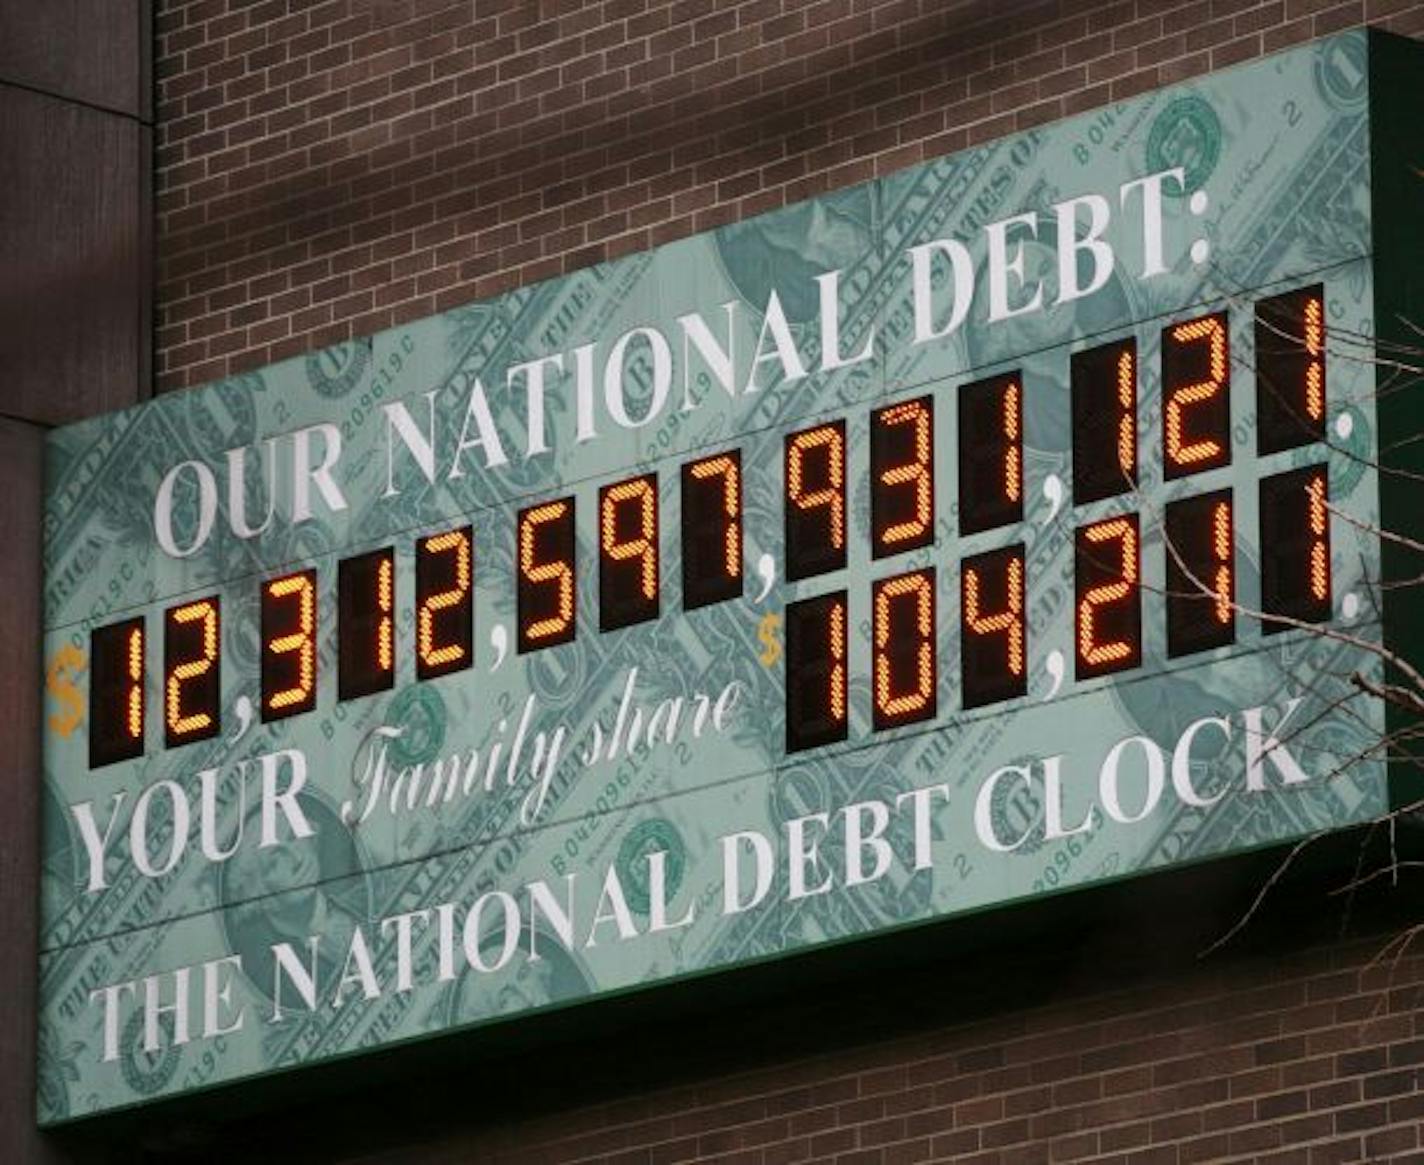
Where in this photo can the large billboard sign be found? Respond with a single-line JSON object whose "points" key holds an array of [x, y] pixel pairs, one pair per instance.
{"points": [[1000, 526]]}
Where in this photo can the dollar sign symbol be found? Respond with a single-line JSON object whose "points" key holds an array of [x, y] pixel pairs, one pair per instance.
{"points": [[766, 633], [60, 679]]}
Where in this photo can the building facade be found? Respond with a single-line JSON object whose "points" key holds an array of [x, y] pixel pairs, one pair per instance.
{"points": [[246, 182]]}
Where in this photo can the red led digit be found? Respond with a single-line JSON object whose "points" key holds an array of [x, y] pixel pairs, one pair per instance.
{"points": [[192, 672], [1104, 390], [904, 661], [545, 589], [990, 453], [1108, 591], [1295, 547], [817, 688], [288, 616], [902, 477], [1290, 370], [365, 624], [1196, 394], [815, 501], [444, 603], [994, 628], [116, 704], [711, 530], [1200, 547], [628, 552]]}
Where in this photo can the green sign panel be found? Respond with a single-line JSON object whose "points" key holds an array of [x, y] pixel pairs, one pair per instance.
{"points": [[994, 528]]}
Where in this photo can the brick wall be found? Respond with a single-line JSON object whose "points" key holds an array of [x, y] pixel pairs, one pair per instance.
{"points": [[1315, 1059], [327, 169]]}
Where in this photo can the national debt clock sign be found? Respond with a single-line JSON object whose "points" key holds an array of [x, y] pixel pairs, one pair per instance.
{"points": [[1000, 526]]}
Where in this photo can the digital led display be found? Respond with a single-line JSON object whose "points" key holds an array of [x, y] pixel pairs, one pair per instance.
{"points": [[902, 485], [903, 661], [192, 672], [365, 624], [116, 697], [1104, 389], [915, 534], [815, 475], [817, 683], [546, 594], [1201, 573], [712, 530], [1107, 573], [1290, 370], [990, 453], [993, 627], [444, 603], [1295, 548], [628, 552], [1196, 396]]}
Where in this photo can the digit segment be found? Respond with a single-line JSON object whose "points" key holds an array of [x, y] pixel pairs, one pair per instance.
{"points": [[192, 672], [902, 509], [545, 593], [1201, 576], [1107, 584], [1104, 389], [817, 685], [116, 697], [628, 552], [1290, 370], [1295, 548], [815, 500], [993, 627], [365, 624], [904, 660], [288, 619], [1196, 396], [712, 530], [444, 603], [991, 453]]}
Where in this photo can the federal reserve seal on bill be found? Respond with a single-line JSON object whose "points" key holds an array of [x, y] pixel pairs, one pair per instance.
{"points": [[1187, 134], [335, 371], [649, 837]]}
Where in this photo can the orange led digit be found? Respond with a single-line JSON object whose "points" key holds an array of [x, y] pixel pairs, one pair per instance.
{"points": [[1290, 370], [288, 619], [628, 552], [1200, 547], [1108, 592], [1196, 393], [990, 453], [545, 587], [116, 703], [993, 627], [815, 500], [444, 603], [192, 672], [365, 624], [1104, 407], [904, 661], [902, 477], [1295, 547], [711, 530], [817, 688]]}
